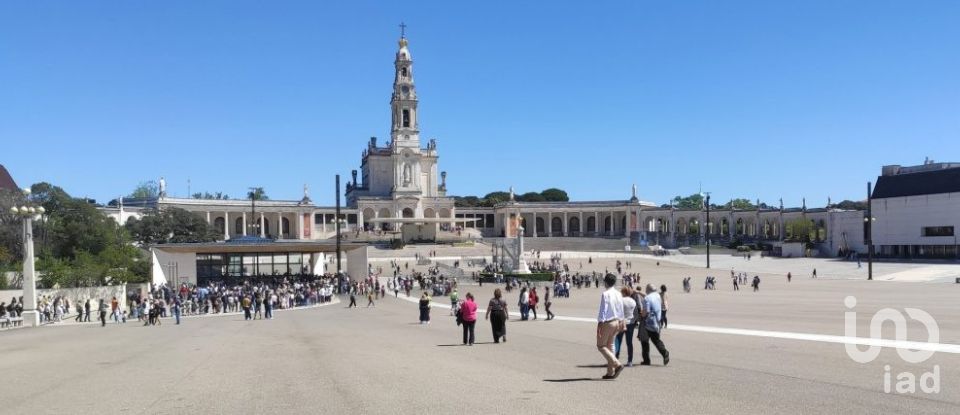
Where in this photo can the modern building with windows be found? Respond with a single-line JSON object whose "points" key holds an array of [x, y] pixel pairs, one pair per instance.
{"points": [[916, 211]]}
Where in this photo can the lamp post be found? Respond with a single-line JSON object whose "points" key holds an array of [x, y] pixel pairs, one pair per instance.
{"points": [[28, 214], [869, 220], [337, 218], [708, 230]]}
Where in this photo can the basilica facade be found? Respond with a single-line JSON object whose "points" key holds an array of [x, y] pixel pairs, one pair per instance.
{"points": [[399, 186]]}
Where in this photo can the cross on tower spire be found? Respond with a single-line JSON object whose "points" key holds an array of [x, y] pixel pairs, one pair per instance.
{"points": [[403, 30]]}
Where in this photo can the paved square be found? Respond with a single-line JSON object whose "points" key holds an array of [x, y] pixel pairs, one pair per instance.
{"points": [[380, 360]]}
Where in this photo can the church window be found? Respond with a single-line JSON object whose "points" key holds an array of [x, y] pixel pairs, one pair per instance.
{"points": [[403, 72], [406, 118]]}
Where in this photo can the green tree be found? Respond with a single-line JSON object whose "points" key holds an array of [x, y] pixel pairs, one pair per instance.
{"points": [[145, 190], [531, 197], [555, 195], [170, 225], [257, 193], [496, 197], [851, 205], [798, 230], [692, 202], [211, 196], [741, 204], [466, 201]]}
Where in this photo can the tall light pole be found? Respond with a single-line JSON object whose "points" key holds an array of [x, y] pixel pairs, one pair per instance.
{"points": [[339, 269], [28, 214], [869, 241], [708, 230]]}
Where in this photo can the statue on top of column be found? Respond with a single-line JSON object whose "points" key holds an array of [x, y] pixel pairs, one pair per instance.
{"points": [[511, 194], [162, 188]]}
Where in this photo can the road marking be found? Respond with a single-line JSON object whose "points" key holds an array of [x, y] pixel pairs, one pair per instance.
{"points": [[822, 338]]}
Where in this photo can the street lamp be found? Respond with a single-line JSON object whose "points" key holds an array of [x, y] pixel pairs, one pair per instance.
{"points": [[28, 214], [708, 229]]}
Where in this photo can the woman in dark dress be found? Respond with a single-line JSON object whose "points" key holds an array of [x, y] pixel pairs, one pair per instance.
{"points": [[424, 309], [497, 314]]}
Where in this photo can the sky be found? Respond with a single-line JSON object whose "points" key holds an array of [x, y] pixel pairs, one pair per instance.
{"points": [[755, 99]]}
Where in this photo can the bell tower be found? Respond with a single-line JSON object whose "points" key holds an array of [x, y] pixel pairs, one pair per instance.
{"points": [[405, 130]]}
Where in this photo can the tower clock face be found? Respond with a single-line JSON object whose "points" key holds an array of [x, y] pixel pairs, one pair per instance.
{"points": [[405, 89]]}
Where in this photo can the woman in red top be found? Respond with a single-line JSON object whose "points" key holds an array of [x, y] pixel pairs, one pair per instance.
{"points": [[468, 316], [534, 299]]}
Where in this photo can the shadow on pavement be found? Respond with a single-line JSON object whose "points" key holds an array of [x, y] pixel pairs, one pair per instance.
{"points": [[573, 380]]}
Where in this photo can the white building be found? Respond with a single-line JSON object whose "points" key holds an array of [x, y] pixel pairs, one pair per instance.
{"points": [[916, 211]]}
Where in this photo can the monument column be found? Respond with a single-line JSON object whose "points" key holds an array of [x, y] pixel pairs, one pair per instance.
{"points": [[226, 225], [549, 223], [566, 224], [596, 223], [243, 223], [580, 231], [208, 217], [262, 226]]}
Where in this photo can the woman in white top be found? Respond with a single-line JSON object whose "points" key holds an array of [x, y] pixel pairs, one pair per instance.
{"points": [[629, 314]]}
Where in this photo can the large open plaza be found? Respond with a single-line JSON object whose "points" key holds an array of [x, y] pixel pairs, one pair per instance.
{"points": [[731, 352]]}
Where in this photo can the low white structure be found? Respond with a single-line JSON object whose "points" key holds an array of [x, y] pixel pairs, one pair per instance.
{"points": [[916, 211]]}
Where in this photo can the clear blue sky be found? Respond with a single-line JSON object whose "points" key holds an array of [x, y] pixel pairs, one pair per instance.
{"points": [[756, 99]]}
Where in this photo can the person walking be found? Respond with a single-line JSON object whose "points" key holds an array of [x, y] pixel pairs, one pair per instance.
{"points": [[115, 310], [86, 310], [370, 300], [610, 321], [102, 309], [353, 300], [468, 318], [666, 306], [756, 283], [652, 307], [424, 309], [524, 303], [497, 314], [532, 302], [176, 309], [789, 277], [79, 313], [547, 304], [454, 301], [630, 315], [245, 303]]}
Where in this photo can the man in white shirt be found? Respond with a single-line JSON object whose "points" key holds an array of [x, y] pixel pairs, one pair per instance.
{"points": [[610, 321]]}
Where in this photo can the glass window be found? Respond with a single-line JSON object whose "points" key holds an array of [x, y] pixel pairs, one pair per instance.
{"points": [[938, 231]]}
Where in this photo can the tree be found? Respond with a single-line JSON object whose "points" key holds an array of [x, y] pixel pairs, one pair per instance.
{"points": [[257, 193], [692, 202], [531, 197], [851, 205], [496, 197], [741, 204], [555, 195], [145, 190], [798, 230], [466, 201], [211, 196], [171, 225]]}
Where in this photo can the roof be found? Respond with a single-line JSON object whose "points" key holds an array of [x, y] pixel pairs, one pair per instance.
{"points": [[6, 182], [260, 245], [915, 184]]}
